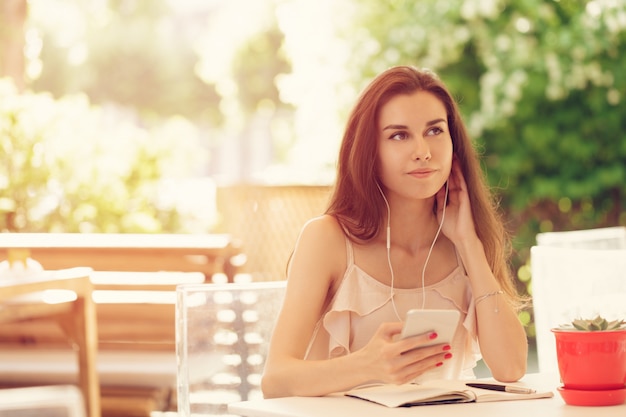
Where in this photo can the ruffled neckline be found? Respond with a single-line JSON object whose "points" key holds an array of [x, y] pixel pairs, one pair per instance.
{"points": [[361, 302], [362, 294], [444, 281]]}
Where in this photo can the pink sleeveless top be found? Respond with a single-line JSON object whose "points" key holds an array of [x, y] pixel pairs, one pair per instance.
{"points": [[361, 303]]}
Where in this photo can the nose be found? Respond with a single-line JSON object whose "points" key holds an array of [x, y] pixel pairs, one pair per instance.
{"points": [[421, 151]]}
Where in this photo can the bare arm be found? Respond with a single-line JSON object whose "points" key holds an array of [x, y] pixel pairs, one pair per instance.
{"points": [[319, 260], [501, 335]]}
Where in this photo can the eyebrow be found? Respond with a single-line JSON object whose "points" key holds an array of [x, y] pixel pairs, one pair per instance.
{"points": [[429, 123]]}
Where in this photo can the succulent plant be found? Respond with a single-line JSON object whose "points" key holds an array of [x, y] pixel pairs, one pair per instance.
{"points": [[597, 324]]}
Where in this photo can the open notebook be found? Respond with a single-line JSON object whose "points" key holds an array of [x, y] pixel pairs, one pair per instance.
{"points": [[436, 392]]}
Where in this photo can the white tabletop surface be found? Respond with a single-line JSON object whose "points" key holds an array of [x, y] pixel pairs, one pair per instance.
{"points": [[342, 406]]}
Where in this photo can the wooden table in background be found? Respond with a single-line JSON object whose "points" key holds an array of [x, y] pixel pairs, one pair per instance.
{"points": [[206, 253], [76, 316]]}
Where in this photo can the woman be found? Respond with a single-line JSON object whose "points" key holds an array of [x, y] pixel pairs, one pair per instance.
{"points": [[411, 224]]}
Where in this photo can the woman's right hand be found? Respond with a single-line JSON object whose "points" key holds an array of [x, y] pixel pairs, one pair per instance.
{"points": [[389, 359]]}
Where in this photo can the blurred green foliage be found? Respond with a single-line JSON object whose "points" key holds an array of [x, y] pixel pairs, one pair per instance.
{"points": [[65, 167], [132, 54], [158, 58], [542, 88]]}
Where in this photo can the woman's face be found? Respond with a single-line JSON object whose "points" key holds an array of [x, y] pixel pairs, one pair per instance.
{"points": [[414, 145]]}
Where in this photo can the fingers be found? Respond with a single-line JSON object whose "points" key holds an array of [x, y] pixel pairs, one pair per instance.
{"points": [[402, 360], [389, 331], [417, 341], [414, 363], [438, 355], [415, 355], [457, 181]]}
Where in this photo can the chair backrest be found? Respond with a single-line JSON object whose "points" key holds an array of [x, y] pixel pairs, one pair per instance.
{"points": [[570, 283], [222, 338], [601, 238], [262, 213]]}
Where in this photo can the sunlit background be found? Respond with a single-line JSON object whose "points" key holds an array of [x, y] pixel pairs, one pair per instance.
{"points": [[131, 115]]}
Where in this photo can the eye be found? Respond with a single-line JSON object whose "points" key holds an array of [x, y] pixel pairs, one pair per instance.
{"points": [[434, 131], [401, 135]]}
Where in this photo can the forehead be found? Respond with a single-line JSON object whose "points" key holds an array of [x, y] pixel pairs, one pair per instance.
{"points": [[417, 107]]}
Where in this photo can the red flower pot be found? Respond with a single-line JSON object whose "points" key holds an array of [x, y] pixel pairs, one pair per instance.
{"points": [[591, 360], [592, 365]]}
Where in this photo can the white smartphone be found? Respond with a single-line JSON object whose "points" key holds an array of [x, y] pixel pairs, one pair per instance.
{"points": [[443, 322]]}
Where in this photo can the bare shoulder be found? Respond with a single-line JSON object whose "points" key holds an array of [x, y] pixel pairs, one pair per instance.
{"points": [[321, 245], [323, 226], [323, 230]]}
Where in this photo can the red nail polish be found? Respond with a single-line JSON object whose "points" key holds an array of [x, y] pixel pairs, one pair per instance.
{"points": [[447, 347], [433, 335], [439, 364], [447, 356]]}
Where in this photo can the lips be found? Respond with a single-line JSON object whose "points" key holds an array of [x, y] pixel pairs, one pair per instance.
{"points": [[421, 173]]}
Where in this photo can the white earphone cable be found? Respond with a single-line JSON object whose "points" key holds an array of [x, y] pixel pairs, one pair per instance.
{"points": [[443, 216], [388, 244], [392, 293]]}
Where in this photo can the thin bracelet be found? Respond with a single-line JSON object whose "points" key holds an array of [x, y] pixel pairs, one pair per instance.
{"points": [[482, 297]]}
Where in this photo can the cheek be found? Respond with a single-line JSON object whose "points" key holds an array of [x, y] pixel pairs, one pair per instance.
{"points": [[383, 160], [448, 165], [443, 152], [447, 155], [382, 170], [387, 166]]}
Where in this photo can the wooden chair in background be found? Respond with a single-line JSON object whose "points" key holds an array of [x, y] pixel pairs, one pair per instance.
{"points": [[266, 220], [66, 297]]}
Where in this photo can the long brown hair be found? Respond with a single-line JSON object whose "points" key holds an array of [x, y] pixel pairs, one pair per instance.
{"points": [[356, 201]]}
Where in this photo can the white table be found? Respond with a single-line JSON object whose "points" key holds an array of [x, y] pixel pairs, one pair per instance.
{"points": [[341, 406]]}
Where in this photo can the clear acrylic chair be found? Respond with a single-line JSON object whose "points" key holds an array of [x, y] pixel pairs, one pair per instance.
{"points": [[570, 283], [222, 337]]}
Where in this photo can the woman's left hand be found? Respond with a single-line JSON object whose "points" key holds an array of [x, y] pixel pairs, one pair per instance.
{"points": [[458, 223]]}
